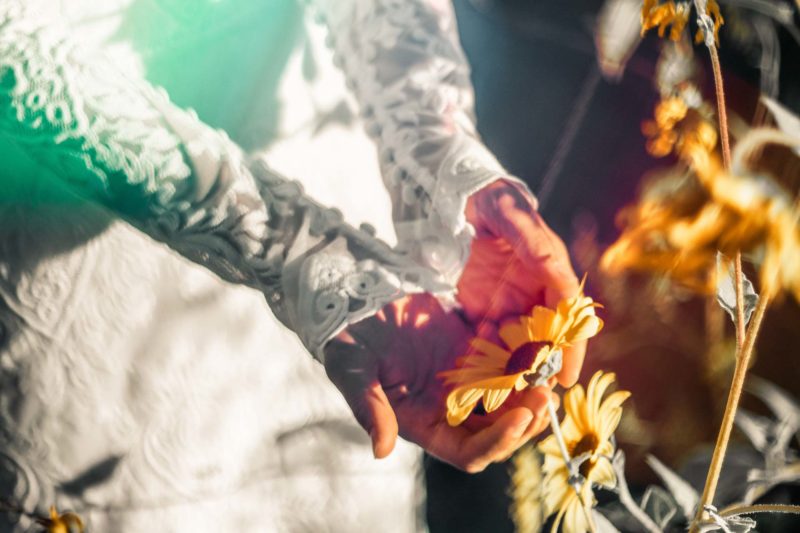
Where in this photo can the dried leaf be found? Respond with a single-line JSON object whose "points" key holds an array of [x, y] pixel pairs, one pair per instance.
{"points": [[730, 524], [787, 414], [788, 122], [659, 505], [683, 493], [726, 290], [617, 35], [755, 427], [602, 524], [780, 402], [761, 481]]}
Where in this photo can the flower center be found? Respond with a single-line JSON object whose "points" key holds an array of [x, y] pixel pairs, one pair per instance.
{"points": [[588, 443], [523, 357]]}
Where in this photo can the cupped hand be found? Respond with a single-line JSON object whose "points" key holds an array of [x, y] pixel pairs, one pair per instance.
{"points": [[516, 262], [386, 367]]}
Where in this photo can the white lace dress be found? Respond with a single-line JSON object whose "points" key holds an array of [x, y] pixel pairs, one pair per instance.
{"points": [[146, 380]]}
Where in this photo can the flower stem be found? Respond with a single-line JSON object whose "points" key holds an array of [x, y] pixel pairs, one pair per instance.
{"points": [[744, 342], [722, 115], [551, 409], [739, 374], [736, 510]]}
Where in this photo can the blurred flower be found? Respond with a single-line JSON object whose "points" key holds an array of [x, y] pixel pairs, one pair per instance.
{"points": [[616, 36], [681, 221], [526, 490], [494, 371], [588, 427], [62, 523], [675, 14], [681, 128], [662, 15]]}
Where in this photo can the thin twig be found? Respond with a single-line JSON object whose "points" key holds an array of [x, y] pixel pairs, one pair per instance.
{"points": [[737, 385], [722, 115], [744, 343]]}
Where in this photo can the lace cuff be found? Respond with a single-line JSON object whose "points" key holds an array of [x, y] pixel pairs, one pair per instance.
{"points": [[120, 141], [403, 60]]}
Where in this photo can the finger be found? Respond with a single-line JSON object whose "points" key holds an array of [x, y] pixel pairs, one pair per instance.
{"points": [[572, 364], [542, 253], [538, 424], [535, 400], [473, 452], [379, 420], [354, 371]]}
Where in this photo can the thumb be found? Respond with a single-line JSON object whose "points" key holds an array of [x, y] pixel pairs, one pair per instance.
{"points": [[378, 418], [353, 369]]}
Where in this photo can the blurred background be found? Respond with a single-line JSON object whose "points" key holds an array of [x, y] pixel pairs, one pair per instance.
{"points": [[553, 119]]}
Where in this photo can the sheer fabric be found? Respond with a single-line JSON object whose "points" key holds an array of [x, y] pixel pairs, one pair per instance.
{"points": [[139, 389]]}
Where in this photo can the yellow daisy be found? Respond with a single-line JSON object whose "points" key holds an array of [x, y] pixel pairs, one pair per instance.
{"points": [[588, 426], [62, 523], [494, 371], [681, 221], [661, 15], [527, 480], [681, 128], [675, 15]]}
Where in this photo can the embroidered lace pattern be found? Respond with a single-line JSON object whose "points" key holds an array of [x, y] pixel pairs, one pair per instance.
{"points": [[122, 142]]}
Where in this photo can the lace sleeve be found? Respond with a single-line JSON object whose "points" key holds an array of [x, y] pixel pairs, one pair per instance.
{"points": [[403, 60], [121, 142]]}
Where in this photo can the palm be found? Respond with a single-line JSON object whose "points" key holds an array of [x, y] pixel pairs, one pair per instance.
{"points": [[395, 358], [515, 263]]}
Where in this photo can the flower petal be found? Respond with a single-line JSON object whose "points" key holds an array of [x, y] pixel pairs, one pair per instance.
{"points": [[514, 335], [494, 398], [540, 324], [491, 350]]}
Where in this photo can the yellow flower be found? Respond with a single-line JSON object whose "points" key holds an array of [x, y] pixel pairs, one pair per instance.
{"points": [[665, 14], [62, 523], [588, 426], [494, 371], [680, 222], [527, 482], [680, 128], [676, 14]]}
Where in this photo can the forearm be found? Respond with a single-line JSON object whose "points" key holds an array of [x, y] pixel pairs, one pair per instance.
{"points": [[120, 142], [404, 62]]}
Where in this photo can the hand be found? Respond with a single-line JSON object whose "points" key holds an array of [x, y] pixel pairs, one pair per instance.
{"points": [[516, 262], [386, 366]]}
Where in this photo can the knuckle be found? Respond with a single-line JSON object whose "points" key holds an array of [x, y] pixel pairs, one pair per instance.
{"points": [[474, 467]]}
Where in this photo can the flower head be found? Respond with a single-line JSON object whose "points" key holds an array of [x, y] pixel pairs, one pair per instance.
{"points": [[680, 127], [663, 15], [527, 481], [675, 15], [588, 426], [62, 523], [493, 372], [681, 221]]}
